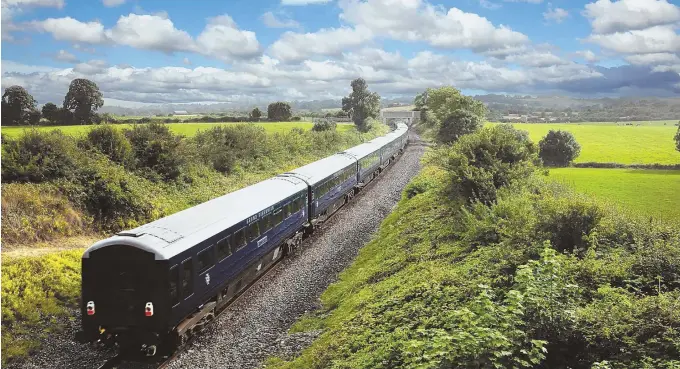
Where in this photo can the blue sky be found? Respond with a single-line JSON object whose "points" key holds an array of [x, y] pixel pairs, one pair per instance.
{"points": [[204, 50]]}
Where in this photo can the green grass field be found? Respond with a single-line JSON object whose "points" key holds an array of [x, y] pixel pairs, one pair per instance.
{"points": [[649, 143], [645, 191], [187, 129]]}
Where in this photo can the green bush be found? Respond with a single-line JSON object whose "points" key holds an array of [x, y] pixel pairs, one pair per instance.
{"points": [[223, 146], [483, 162], [558, 148], [324, 125], [38, 156], [111, 142], [460, 122], [157, 149]]}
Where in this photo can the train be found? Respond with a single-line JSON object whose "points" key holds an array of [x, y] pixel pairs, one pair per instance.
{"points": [[158, 284]]}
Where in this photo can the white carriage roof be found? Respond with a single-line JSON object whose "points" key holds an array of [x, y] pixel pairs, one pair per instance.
{"points": [[360, 151], [320, 169], [171, 235]]}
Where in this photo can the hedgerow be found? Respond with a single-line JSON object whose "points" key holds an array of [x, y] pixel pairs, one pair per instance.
{"points": [[541, 277]]}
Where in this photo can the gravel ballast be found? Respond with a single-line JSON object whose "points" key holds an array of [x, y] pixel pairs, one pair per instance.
{"points": [[256, 325]]}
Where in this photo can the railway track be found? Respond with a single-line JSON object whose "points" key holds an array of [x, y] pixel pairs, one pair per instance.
{"points": [[116, 361]]}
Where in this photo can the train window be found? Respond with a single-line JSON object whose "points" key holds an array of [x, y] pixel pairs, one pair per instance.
{"points": [[277, 217], [205, 259], [264, 223], [174, 291], [240, 239], [223, 248], [253, 231], [299, 203], [187, 278], [287, 210]]}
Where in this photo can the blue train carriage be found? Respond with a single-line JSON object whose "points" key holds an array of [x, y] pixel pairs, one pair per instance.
{"points": [[331, 183], [367, 156], [159, 282]]}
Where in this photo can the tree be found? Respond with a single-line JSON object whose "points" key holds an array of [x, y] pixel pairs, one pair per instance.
{"points": [[361, 104], [256, 114], [444, 101], [50, 111], [458, 123], [84, 98], [558, 148], [677, 138], [17, 103], [421, 100], [324, 124], [279, 111]]}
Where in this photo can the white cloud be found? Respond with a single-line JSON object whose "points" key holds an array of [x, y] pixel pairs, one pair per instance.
{"points": [[85, 49], [112, 3], [489, 4], [186, 61], [524, 1], [418, 20], [149, 32], [270, 20], [91, 67], [557, 15], [222, 39], [65, 56], [626, 15], [69, 29], [294, 46], [653, 59], [588, 55], [536, 58], [375, 57], [34, 3], [658, 39], [303, 2]]}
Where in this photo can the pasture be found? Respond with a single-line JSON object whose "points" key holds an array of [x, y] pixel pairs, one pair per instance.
{"points": [[186, 129], [647, 192], [649, 143]]}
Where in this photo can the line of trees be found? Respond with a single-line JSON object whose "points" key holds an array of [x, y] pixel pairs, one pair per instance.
{"points": [[79, 107]]}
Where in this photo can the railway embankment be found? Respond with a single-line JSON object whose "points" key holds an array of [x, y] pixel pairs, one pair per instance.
{"points": [[486, 263]]}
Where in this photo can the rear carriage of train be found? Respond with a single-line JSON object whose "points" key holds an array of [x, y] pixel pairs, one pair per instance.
{"points": [[140, 287]]}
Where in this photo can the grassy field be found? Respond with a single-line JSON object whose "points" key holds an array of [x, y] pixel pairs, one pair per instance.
{"points": [[649, 192], [187, 129], [649, 143]]}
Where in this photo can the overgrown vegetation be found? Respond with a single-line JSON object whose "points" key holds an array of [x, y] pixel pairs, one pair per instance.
{"points": [[361, 105], [534, 276], [558, 148]]}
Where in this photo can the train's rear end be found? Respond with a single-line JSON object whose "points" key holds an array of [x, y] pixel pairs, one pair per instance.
{"points": [[124, 298]]}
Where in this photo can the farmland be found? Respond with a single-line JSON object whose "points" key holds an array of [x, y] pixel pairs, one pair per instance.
{"points": [[647, 192], [648, 143], [185, 129]]}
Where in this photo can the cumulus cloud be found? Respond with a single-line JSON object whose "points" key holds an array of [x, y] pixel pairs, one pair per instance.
{"points": [[34, 3], [65, 56], [588, 55], [272, 21], [557, 15], [418, 20], [653, 59], [149, 32], [112, 3], [657, 39], [608, 16], [295, 47], [221, 38]]}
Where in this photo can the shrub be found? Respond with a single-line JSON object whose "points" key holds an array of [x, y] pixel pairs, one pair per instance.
{"points": [[677, 139], [483, 162], [568, 222], [460, 122], [37, 212], [156, 148], [112, 143], [38, 156], [558, 148], [222, 146], [295, 119], [324, 125]]}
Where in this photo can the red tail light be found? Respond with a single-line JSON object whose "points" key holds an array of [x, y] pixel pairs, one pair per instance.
{"points": [[90, 308], [148, 309]]}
